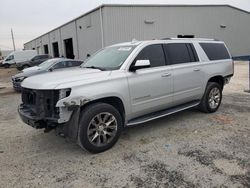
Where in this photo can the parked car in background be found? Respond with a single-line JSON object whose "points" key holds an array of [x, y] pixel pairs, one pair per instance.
{"points": [[37, 60], [127, 84], [17, 57], [46, 66]]}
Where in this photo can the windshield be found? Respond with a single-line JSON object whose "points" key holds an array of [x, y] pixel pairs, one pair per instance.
{"points": [[10, 57], [47, 64], [110, 58]]}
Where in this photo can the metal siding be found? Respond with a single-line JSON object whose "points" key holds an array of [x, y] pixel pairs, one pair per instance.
{"points": [[125, 23], [89, 38], [45, 40], [69, 31], [54, 36]]}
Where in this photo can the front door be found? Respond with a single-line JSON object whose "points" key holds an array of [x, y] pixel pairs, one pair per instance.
{"points": [[151, 88]]}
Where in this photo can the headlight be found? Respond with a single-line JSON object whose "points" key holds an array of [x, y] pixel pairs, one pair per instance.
{"points": [[64, 93], [20, 79]]}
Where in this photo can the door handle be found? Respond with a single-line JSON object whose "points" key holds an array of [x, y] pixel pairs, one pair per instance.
{"points": [[196, 70], [166, 75]]}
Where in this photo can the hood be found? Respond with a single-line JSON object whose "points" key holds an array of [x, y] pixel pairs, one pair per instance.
{"points": [[29, 72], [35, 68], [56, 80]]}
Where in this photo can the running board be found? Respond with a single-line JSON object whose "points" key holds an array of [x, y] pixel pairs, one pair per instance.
{"points": [[162, 113]]}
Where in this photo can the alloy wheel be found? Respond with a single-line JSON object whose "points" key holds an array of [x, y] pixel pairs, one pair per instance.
{"points": [[102, 129], [214, 98]]}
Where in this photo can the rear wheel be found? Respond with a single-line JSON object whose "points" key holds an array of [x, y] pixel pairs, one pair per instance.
{"points": [[100, 127], [212, 98]]}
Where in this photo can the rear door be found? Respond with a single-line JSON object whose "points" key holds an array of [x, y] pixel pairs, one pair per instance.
{"points": [[151, 88], [188, 76]]}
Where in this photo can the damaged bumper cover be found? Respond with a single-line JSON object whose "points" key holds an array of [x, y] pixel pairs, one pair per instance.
{"points": [[33, 120], [66, 123]]}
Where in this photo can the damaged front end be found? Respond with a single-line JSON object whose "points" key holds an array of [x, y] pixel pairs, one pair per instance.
{"points": [[51, 109]]}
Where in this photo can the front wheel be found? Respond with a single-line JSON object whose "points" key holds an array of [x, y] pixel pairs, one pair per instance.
{"points": [[25, 67], [99, 128], [212, 98], [6, 66]]}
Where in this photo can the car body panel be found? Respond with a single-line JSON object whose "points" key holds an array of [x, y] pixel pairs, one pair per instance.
{"points": [[36, 70], [141, 92]]}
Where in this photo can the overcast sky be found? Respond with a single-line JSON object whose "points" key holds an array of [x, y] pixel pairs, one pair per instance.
{"points": [[31, 18]]}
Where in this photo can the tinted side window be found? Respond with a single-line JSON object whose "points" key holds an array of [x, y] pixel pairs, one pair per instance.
{"points": [[153, 53], [44, 56], [35, 58], [179, 53], [215, 51], [192, 52], [73, 63], [60, 65]]}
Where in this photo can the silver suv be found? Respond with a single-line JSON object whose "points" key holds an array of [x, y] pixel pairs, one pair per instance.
{"points": [[127, 84]]}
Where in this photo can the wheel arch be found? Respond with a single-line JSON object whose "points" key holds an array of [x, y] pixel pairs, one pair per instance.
{"points": [[217, 79], [25, 65], [112, 100]]}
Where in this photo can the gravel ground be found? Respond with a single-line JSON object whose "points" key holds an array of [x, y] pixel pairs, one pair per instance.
{"points": [[188, 149]]}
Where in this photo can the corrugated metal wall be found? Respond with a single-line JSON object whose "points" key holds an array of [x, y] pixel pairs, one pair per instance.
{"points": [[125, 23], [89, 34], [55, 36], [69, 31], [45, 41]]}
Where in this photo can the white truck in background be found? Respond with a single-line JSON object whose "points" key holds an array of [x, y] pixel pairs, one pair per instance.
{"points": [[17, 57]]}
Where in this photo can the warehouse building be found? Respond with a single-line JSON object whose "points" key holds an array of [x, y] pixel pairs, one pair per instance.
{"points": [[110, 24]]}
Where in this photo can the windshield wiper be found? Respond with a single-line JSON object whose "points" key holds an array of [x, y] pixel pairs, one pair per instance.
{"points": [[94, 67]]}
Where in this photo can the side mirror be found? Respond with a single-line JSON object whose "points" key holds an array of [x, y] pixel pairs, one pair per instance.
{"points": [[51, 69], [140, 64]]}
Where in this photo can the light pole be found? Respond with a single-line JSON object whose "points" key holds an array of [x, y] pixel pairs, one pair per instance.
{"points": [[14, 46]]}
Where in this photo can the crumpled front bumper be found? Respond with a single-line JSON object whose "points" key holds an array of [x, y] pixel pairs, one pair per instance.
{"points": [[33, 120], [16, 85]]}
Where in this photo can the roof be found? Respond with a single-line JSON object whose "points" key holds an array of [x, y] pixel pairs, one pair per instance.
{"points": [[135, 42], [140, 5]]}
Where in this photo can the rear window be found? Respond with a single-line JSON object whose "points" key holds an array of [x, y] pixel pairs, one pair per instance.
{"points": [[215, 51]]}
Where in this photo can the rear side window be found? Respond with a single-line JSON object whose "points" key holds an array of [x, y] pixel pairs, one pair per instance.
{"points": [[154, 53], [60, 65], [35, 58], [44, 56], [215, 51], [180, 53], [73, 63]]}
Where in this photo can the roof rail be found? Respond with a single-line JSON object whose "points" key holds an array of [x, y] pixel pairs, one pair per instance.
{"points": [[204, 39]]}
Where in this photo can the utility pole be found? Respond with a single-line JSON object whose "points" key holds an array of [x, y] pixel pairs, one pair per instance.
{"points": [[14, 46]]}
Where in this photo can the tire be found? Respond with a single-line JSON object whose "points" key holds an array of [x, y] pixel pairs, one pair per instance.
{"points": [[19, 68], [212, 95], [25, 66], [6, 66], [92, 132]]}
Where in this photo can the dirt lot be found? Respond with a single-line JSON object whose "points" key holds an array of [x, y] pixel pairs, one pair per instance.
{"points": [[188, 149]]}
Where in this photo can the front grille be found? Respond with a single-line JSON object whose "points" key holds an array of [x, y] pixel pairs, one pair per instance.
{"points": [[41, 102]]}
